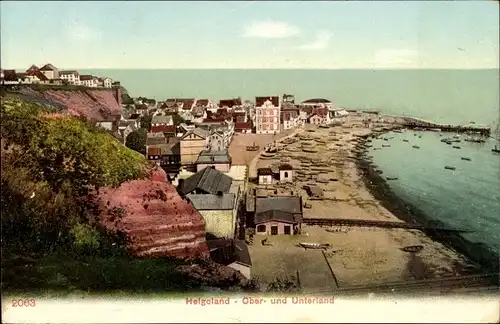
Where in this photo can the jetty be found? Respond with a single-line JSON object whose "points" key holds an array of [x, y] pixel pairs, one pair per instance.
{"points": [[375, 223], [420, 124]]}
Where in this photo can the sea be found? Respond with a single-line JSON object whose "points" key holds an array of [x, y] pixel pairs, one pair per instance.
{"points": [[467, 197]]}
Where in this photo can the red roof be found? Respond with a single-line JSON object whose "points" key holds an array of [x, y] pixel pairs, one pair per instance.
{"points": [[230, 102], [240, 125], [213, 121], [259, 101], [202, 102], [85, 77], [163, 129]]}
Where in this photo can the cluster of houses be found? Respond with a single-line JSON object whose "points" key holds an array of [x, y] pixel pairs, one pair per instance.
{"points": [[49, 74], [195, 133]]}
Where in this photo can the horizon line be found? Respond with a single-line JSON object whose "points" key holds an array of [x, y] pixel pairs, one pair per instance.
{"points": [[305, 68]]}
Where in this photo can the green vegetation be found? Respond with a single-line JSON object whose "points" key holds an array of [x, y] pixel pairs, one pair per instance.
{"points": [[137, 140]]}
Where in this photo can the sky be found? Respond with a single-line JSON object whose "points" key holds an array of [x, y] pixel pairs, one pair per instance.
{"points": [[250, 34]]}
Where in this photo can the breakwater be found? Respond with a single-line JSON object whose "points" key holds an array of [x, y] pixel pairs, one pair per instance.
{"points": [[416, 123], [479, 253]]}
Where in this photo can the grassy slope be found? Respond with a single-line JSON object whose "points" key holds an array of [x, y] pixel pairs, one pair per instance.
{"points": [[54, 151]]}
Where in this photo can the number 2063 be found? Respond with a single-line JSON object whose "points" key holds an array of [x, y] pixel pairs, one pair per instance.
{"points": [[24, 302]]}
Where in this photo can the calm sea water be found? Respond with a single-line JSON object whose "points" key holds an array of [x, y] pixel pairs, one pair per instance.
{"points": [[467, 197]]}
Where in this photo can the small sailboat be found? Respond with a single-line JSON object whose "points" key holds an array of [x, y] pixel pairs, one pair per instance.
{"points": [[391, 178], [465, 158], [449, 167], [405, 140], [386, 146], [456, 147], [416, 146]]}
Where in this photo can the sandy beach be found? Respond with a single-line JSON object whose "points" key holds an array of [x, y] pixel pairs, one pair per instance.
{"points": [[360, 255]]}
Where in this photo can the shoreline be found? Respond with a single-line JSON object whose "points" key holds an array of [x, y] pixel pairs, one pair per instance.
{"points": [[357, 192], [478, 253]]}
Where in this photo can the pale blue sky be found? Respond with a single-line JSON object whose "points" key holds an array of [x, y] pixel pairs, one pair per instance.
{"points": [[250, 34]]}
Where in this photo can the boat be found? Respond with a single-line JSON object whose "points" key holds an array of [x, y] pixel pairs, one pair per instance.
{"points": [[413, 248], [474, 140], [391, 178], [253, 147], [416, 146], [449, 167], [314, 246], [466, 158], [386, 146], [405, 140], [456, 147], [397, 131], [495, 149]]}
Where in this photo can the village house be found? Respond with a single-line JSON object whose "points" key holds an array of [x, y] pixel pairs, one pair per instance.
{"points": [[88, 81], [265, 176], [141, 109], [107, 82], [285, 172], [183, 128], [166, 130], [73, 77], [243, 127], [214, 196], [230, 103], [316, 119], [231, 253], [290, 119], [220, 160], [267, 118], [317, 102], [192, 144], [10, 77], [162, 120], [110, 123], [165, 152], [34, 75], [125, 127], [50, 71], [186, 115], [278, 215]]}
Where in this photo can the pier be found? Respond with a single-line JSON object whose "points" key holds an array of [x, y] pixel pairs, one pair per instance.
{"points": [[374, 223], [415, 123]]}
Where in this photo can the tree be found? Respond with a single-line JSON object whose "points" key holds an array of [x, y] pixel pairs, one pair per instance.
{"points": [[146, 122], [137, 140]]}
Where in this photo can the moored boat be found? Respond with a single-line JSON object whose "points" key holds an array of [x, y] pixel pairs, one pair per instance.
{"points": [[465, 158], [456, 147], [314, 245], [449, 167], [416, 146]]}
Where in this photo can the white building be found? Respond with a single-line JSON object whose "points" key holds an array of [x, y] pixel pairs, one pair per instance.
{"points": [[267, 115], [73, 77], [88, 81], [108, 82]]}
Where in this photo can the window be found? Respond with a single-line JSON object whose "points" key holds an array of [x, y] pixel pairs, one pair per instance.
{"points": [[286, 174], [261, 228]]}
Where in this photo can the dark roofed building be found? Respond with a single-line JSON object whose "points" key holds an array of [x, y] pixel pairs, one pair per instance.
{"points": [[230, 103], [207, 181], [265, 176], [220, 160], [278, 215], [231, 253], [259, 101], [10, 76], [223, 201]]}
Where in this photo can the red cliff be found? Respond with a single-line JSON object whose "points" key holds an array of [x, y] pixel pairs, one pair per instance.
{"points": [[96, 104], [157, 220]]}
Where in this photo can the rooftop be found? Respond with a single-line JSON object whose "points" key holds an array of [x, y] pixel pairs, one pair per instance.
{"points": [[208, 180], [276, 215], [259, 101], [214, 157], [291, 204]]}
